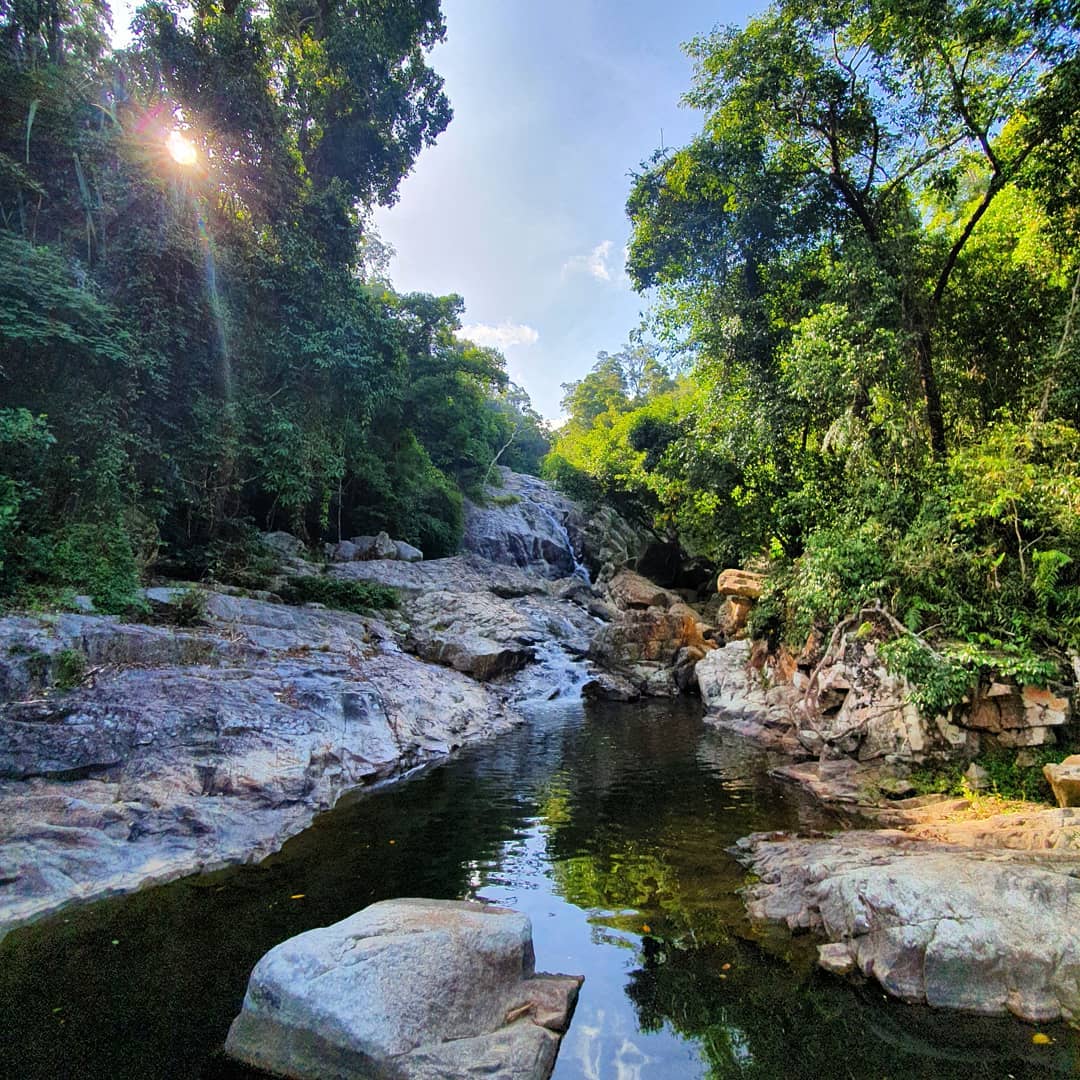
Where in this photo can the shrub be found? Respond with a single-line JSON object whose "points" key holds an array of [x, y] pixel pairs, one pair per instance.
{"points": [[361, 597]]}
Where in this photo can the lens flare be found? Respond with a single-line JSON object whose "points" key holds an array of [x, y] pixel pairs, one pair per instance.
{"points": [[181, 148]]}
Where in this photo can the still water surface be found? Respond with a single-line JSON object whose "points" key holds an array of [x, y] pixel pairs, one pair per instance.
{"points": [[609, 826]]}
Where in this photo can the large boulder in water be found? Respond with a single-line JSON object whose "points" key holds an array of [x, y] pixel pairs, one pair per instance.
{"points": [[406, 989], [984, 931]]}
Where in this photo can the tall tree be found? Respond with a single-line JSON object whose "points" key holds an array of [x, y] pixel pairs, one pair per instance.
{"points": [[826, 121]]}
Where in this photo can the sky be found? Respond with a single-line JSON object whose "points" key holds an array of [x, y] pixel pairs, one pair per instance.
{"points": [[520, 205]]}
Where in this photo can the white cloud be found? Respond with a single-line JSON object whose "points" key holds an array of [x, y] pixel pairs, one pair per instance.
{"points": [[502, 336], [598, 264]]}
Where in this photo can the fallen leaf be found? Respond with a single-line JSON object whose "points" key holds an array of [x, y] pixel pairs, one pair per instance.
{"points": [[1040, 1039], [645, 928], [297, 896], [725, 967]]}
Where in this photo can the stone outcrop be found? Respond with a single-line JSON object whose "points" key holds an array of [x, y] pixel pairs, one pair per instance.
{"points": [[413, 989], [1064, 780], [182, 751], [527, 524], [372, 547], [843, 701], [656, 640], [738, 590], [985, 931]]}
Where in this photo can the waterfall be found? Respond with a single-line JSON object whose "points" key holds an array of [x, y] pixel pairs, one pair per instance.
{"points": [[580, 569]]}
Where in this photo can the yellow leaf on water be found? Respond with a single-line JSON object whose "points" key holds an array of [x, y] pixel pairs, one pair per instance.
{"points": [[725, 967], [393, 841], [645, 928], [1040, 1039], [297, 896]]}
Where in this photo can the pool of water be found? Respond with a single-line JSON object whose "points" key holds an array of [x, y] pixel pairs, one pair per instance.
{"points": [[609, 826]]}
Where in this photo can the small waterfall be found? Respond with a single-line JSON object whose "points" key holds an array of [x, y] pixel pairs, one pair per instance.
{"points": [[580, 569], [555, 678]]}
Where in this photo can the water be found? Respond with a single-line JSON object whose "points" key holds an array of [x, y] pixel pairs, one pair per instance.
{"points": [[608, 826], [580, 569]]}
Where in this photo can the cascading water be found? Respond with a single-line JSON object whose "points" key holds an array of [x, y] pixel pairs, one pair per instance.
{"points": [[580, 569], [555, 676]]}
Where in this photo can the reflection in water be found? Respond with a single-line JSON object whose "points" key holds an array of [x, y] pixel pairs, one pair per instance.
{"points": [[608, 827]]}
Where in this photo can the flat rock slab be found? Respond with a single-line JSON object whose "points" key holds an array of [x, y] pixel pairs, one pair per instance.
{"points": [[984, 931], [411, 989], [163, 768]]}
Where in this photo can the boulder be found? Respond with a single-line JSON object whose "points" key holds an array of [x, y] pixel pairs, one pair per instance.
{"points": [[988, 932], [283, 544], [409, 989], [407, 553], [740, 583], [630, 590], [382, 548], [1064, 780]]}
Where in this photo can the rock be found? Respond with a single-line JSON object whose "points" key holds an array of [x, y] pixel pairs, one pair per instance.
{"points": [[407, 553], [645, 644], [629, 590], [1064, 780], [525, 523], [283, 544], [382, 548], [977, 778], [409, 989], [607, 686], [191, 750], [740, 583], [985, 932], [477, 633], [461, 573], [1044, 708], [83, 604], [343, 551], [896, 787]]}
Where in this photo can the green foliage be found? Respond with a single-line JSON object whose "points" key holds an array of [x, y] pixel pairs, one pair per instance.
{"points": [[362, 597], [95, 558], [938, 682], [189, 608], [1007, 779], [68, 669]]}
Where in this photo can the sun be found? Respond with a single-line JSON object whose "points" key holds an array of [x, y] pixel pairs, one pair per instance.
{"points": [[181, 148]]}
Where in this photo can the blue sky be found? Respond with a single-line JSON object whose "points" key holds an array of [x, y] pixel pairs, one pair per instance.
{"points": [[519, 206]]}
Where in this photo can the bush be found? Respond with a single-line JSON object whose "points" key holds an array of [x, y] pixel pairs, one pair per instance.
{"points": [[362, 597]]}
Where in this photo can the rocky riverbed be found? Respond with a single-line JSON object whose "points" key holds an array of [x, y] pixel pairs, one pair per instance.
{"points": [[134, 753]]}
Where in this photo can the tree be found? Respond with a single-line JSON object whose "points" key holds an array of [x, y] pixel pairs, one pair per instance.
{"points": [[826, 123]]}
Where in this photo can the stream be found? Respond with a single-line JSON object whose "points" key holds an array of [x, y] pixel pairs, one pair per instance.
{"points": [[608, 825]]}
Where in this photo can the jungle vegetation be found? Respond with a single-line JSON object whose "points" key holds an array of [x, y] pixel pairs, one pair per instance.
{"points": [[200, 343], [867, 288]]}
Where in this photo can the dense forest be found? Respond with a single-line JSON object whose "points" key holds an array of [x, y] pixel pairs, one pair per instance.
{"points": [[865, 269], [859, 371], [197, 337]]}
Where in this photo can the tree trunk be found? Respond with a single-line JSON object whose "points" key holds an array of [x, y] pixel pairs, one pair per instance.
{"points": [[931, 394]]}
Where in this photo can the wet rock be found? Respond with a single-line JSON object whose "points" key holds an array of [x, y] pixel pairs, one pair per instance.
{"points": [[1064, 780], [410, 989], [933, 923]]}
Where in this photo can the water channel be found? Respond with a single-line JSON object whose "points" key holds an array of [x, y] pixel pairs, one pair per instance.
{"points": [[609, 826]]}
